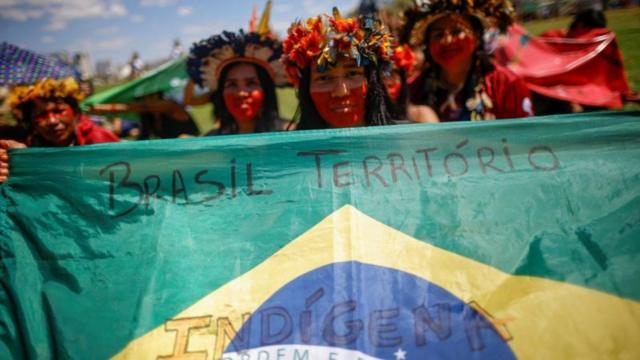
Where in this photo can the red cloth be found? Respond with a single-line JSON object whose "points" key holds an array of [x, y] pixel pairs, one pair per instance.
{"points": [[509, 94], [88, 133], [586, 69]]}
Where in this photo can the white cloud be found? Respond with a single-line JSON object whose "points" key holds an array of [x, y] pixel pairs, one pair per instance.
{"points": [[55, 25], [46, 39], [4, 3], [58, 13], [112, 44], [118, 9], [197, 32], [137, 18], [109, 30], [20, 14], [92, 45], [185, 10], [160, 3]]}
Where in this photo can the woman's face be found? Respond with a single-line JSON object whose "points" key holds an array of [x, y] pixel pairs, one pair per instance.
{"points": [[54, 121], [452, 40], [242, 93], [339, 93], [393, 82]]}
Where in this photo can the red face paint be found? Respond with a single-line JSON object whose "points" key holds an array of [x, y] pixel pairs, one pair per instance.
{"points": [[343, 111], [244, 106], [54, 121], [450, 52], [393, 84]]}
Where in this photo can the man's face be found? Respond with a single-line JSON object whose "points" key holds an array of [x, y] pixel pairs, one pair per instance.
{"points": [[54, 121]]}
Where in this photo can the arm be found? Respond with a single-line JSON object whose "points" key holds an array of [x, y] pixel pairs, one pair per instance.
{"points": [[101, 109], [190, 99], [5, 145], [157, 106], [422, 113]]}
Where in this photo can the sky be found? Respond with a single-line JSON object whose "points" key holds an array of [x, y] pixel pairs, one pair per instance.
{"points": [[114, 29]]}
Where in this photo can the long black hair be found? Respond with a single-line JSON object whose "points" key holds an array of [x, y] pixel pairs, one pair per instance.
{"points": [[481, 66], [400, 104], [268, 115], [379, 109]]}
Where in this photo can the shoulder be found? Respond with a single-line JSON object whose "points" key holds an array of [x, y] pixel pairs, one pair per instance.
{"points": [[501, 74], [509, 93], [502, 82], [422, 113], [89, 133]]}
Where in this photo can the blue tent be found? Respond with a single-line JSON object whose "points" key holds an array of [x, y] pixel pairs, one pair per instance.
{"points": [[20, 66]]}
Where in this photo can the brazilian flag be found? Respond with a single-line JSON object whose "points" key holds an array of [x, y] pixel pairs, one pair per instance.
{"points": [[494, 240]]}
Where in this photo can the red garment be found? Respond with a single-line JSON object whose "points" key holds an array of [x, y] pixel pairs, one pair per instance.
{"points": [[586, 68], [509, 94], [88, 133]]}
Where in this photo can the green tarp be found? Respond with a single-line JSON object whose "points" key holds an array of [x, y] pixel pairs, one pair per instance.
{"points": [[496, 240], [170, 77]]}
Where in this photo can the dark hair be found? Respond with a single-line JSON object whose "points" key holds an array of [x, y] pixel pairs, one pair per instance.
{"points": [[482, 64], [28, 108], [268, 115], [379, 109], [590, 19], [400, 105]]}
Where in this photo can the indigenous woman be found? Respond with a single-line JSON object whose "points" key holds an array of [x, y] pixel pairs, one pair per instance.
{"points": [[337, 65], [404, 59], [241, 71], [50, 112], [460, 81]]}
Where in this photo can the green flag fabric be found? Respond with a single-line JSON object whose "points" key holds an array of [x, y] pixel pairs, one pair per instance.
{"points": [[170, 77], [493, 240]]}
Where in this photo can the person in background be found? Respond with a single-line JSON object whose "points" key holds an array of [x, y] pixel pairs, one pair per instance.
{"points": [[159, 117], [241, 71], [136, 65], [460, 81], [336, 64], [49, 111], [396, 82], [177, 50], [586, 21]]}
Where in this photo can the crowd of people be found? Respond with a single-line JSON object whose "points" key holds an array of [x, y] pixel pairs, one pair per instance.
{"points": [[347, 71]]}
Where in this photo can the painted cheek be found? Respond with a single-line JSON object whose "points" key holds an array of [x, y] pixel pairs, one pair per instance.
{"points": [[67, 112], [394, 90], [244, 108], [346, 111], [61, 117]]}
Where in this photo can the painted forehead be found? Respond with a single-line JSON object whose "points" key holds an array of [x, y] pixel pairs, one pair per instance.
{"points": [[345, 63], [50, 101], [452, 21]]}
